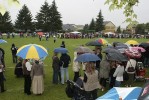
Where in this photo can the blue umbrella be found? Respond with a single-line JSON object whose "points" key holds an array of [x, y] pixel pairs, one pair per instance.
{"points": [[2, 41], [61, 50], [87, 57]]}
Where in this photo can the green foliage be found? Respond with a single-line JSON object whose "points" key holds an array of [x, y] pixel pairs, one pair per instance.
{"points": [[140, 29], [49, 19], [55, 20], [43, 17], [118, 30], [5, 23], [24, 19], [99, 22], [92, 25], [127, 5]]}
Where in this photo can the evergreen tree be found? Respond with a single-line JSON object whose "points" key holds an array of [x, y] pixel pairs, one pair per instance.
{"points": [[118, 30], [24, 19], [140, 29], [99, 22], [55, 20], [5, 23], [86, 27], [92, 25], [43, 18]]}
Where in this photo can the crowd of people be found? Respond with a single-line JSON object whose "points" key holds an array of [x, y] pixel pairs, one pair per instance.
{"points": [[95, 74]]}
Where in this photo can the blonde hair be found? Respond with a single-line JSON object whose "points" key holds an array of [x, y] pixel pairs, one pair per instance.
{"points": [[90, 67]]}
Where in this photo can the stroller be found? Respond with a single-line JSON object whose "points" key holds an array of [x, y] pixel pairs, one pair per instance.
{"points": [[140, 72], [74, 90]]}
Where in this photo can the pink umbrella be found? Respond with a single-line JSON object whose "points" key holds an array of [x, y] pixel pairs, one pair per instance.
{"points": [[137, 49]]}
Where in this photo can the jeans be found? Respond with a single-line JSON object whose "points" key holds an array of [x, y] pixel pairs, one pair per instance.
{"points": [[55, 76], [63, 71], [117, 83]]}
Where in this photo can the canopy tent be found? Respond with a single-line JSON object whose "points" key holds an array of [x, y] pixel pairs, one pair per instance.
{"points": [[75, 32], [109, 33], [123, 93]]}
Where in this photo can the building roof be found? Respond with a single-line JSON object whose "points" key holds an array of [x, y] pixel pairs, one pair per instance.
{"points": [[106, 22]]}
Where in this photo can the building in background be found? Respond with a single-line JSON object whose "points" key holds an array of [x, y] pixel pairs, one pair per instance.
{"points": [[109, 27]]}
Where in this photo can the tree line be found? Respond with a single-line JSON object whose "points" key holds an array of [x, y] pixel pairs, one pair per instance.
{"points": [[48, 19]]}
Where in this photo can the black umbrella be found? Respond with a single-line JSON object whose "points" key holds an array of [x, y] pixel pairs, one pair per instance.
{"points": [[115, 55], [144, 95], [93, 43], [144, 45]]}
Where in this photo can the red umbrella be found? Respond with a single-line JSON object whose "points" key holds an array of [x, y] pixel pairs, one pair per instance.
{"points": [[40, 33]]}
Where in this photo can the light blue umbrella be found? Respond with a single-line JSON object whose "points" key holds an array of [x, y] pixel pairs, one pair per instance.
{"points": [[2, 41], [61, 50], [87, 57]]}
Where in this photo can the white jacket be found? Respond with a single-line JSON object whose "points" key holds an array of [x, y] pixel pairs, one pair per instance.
{"points": [[76, 65]]}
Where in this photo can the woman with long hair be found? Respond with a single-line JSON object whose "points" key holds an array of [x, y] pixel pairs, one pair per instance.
{"points": [[90, 81]]}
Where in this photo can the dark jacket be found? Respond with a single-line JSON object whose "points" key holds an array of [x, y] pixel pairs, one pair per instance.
{"points": [[65, 60], [55, 63]]}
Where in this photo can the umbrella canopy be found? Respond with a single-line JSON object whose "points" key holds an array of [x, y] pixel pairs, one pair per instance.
{"points": [[82, 49], [115, 55], [132, 54], [137, 49], [2, 41], [61, 50], [144, 95], [133, 42], [128, 93], [103, 41], [93, 43], [87, 57], [40, 33], [32, 51], [119, 45], [144, 45]]}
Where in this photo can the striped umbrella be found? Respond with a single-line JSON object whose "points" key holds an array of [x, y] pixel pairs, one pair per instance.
{"points": [[32, 51], [103, 41]]}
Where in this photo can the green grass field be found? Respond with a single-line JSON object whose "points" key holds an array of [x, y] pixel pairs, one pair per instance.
{"points": [[14, 86]]}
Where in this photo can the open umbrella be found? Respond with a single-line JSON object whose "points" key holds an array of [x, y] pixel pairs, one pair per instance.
{"points": [[137, 49], [61, 50], [93, 43], [144, 45], [144, 95], [103, 41], [82, 49], [2, 41], [133, 42], [40, 33], [32, 51], [87, 57], [122, 93]]}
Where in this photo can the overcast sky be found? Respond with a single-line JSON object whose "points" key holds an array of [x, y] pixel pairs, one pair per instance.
{"points": [[81, 12]]}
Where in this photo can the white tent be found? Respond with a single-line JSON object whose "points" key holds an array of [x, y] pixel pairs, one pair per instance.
{"points": [[109, 33], [75, 32]]}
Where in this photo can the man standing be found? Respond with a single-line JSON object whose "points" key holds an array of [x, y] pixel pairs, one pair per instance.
{"points": [[14, 52], [26, 71]]}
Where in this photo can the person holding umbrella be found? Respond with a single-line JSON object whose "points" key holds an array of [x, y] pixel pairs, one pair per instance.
{"points": [[64, 63], [56, 68]]}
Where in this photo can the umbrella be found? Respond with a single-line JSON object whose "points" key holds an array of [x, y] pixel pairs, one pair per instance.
{"points": [[61, 50], [32, 51], [2, 41], [40, 33], [93, 43], [137, 49], [132, 54], [122, 93], [133, 42], [82, 49], [87, 57], [103, 41], [144, 95], [115, 56], [144, 45]]}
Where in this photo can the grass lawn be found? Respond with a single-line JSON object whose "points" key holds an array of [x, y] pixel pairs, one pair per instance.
{"points": [[14, 86]]}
